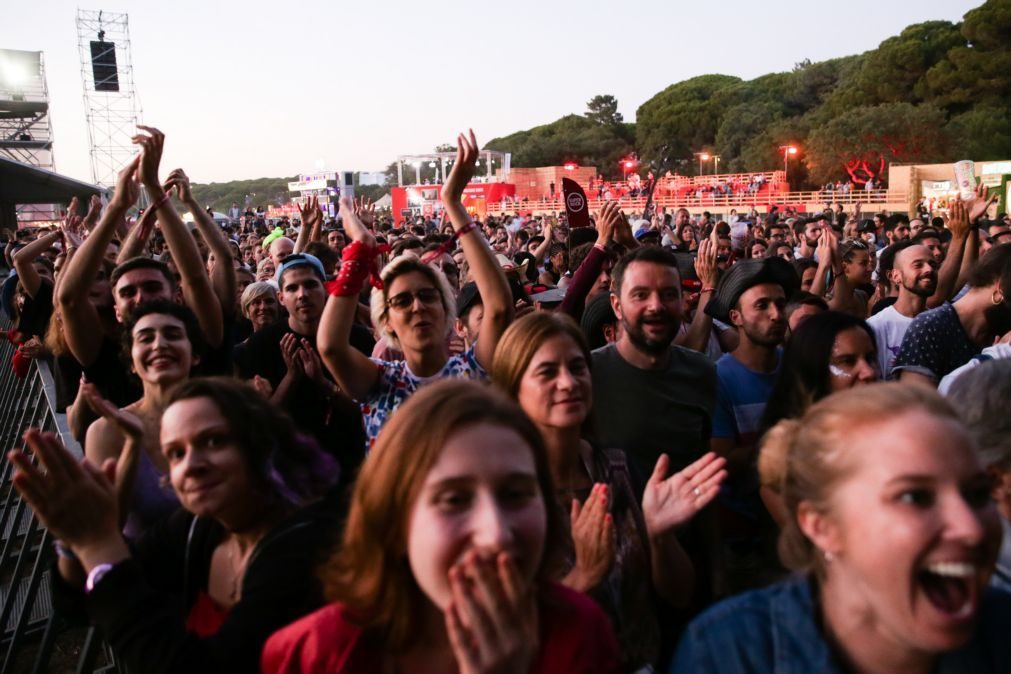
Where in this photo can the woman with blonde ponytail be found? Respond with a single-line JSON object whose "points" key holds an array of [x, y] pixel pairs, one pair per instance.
{"points": [[891, 534]]}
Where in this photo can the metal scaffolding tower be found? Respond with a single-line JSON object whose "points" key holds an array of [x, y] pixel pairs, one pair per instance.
{"points": [[25, 132], [110, 100]]}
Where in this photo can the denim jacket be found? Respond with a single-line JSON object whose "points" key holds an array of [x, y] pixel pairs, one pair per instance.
{"points": [[775, 631]]}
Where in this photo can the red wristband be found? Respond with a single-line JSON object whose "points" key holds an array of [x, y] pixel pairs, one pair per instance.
{"points": [[708, 290], [162, 201]]}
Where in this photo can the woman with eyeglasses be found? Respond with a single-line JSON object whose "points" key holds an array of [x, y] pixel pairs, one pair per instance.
{"points": [[412, 306]]}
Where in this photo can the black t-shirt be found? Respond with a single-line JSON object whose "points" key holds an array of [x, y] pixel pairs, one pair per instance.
{"points": [[111, 375], [648, 413], [37, 310], [217, 360], [336, 423]]}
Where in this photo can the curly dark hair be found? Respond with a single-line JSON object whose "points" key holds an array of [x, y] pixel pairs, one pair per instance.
{"points": [[289, 465]]}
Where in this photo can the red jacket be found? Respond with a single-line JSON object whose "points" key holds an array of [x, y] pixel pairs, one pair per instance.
{"points": [[576, 638]]}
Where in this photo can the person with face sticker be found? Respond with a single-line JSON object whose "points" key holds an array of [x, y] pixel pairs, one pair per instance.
{"points": [[447, 556], [892, 535]]}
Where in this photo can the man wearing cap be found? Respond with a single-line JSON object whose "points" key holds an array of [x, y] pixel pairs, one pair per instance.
{"points": [[752, 297], [285, 355]]}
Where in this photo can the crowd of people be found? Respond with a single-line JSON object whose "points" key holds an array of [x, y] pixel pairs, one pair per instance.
{"points": [[775, 442]]}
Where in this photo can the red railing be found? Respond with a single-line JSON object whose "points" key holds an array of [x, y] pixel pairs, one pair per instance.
{"points": [[714, 201]]}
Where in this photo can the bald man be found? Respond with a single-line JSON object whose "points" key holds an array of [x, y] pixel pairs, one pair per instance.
{"points": [[280, 249]]}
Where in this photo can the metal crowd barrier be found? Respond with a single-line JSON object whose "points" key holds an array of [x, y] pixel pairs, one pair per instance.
{"points": [[30, 632]]}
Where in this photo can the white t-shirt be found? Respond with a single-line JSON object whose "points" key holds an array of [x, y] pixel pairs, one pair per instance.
{"points": [[995, 352], [889, 328]]}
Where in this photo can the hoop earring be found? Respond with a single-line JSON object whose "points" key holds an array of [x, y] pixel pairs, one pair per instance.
{"points": [[993, 298]]}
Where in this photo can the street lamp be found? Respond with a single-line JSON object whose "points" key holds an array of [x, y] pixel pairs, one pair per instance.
{"points": [[703, 157], [787, 150]]}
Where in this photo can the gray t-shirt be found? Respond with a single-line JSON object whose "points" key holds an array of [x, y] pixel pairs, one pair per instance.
{"points": [[648, 412]]}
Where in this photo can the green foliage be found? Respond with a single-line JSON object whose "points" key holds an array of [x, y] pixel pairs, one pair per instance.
{"points": [[571, 138], [865, 139], [603, 110], [983, 133], [976, 71], [260, 192], [938, 91], [683, 118]]}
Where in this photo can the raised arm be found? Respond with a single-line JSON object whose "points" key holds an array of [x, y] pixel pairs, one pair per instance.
{"points": [[138, 237], [947, 275], [542, 248], [24, 261], [196, 286], [80, 317], [356, 374], [697, 336], [223, 276], [309, 212], [484, 269], [589, 269]]}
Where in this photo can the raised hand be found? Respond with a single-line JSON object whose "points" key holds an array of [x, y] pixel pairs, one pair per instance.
{"points": [[979, 205], [151, 145], [492, 621], [353, 225], [706, 262], [94, 212], [309, 211], [669, 502], [70, 226], [959, 221], [127, 188], [181, 182], [73, 220], [128, 423], [607, 220], [593, 538], [75, 501], [467, 152], [366, 212]]}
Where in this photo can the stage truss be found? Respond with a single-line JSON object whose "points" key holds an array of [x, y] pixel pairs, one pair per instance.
{"points": [[112, 115]]}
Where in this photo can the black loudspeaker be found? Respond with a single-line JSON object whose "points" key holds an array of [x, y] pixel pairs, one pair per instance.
{"points": [[349, 179], [103, 65]]}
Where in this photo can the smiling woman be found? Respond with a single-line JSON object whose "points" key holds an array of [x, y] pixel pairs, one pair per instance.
{"points": [[893, 535], [162, 344], [209, 583]]}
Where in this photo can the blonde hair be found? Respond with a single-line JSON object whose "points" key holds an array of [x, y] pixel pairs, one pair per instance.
{"points": [[398, 266], [805, 459], [255, 290]]}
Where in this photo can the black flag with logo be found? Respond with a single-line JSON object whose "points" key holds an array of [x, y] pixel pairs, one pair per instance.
{"points": [[576, 206]]}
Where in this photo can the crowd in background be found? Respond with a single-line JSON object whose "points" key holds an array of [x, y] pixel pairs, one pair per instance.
{"points": [[688, 443]]}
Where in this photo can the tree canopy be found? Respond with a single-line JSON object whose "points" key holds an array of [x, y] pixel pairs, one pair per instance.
{"points": [[938, 91]]}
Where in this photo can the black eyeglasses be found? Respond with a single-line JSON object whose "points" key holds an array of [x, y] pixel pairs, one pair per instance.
{"points": [[402, 301]]}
